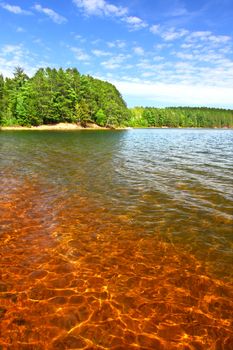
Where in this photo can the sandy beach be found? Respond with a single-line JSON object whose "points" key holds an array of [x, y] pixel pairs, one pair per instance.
{"points": [[59, 126]]}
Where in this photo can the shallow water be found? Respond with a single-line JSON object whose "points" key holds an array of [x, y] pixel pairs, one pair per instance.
{"points": [[116, 239]]}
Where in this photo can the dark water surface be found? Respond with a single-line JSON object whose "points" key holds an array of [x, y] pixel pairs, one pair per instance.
{"points": [[116, 239]]}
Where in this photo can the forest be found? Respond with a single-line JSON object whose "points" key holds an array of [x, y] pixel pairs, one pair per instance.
{"points": [[189, 117], [57, 95], [52, 96]]}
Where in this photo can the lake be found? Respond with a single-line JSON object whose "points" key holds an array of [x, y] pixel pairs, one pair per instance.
{"points": [[116, 239]]}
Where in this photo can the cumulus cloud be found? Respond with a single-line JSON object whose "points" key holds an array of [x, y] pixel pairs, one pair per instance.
{"points": [[54, 16], [100, 8], [135, 23], [17, 10], [104, 8]]}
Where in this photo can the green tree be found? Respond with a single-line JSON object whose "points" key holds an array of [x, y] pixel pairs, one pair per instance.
{"points": [[2, 107], [101, 118], [84, 113]]}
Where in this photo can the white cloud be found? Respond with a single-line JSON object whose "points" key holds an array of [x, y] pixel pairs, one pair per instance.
{"points": [[54, 16], [172, 34], [139, 51], [204, 49], [207, 36], [101, 53], [145, 64], [80, 54], [162, 46], [168, 34], [115, 62], [193, 62], [201, 35], [186, 46], [184, 56], [219, 38], [120, 44], [104, 8], [176, 94], [135, 23], [158, 58], [17, 10], [100, 8], [17, 50], [155, 28], [17, 55]]}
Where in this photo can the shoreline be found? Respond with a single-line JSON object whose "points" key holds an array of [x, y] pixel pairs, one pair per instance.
{"points": [[60, 126], [91, 126]]}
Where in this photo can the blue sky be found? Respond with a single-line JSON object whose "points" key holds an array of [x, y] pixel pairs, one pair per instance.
{"points": [[157, 52]]}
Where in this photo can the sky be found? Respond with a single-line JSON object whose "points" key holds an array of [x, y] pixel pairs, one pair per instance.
{"points": [[156, 52]]}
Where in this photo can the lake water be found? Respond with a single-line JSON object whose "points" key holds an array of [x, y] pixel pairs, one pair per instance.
{"points": [[116, 239]]}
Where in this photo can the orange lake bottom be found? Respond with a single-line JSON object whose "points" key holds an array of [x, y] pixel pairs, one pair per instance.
{"points": [[85, 279]]}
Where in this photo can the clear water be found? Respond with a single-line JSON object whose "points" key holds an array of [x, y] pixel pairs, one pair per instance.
{"points": [[118, 239]]}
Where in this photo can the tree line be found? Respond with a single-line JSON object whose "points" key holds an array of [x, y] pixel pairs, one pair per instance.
{"points": [[197, 117], [57, 95], [52, 96]]}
